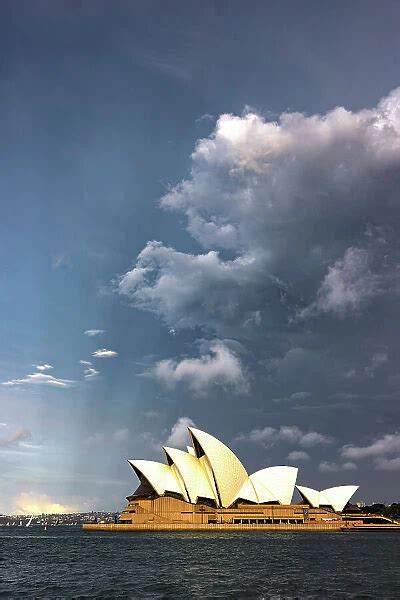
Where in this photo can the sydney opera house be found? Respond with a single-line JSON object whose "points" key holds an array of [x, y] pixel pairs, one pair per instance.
{"points": [[207, 487]]}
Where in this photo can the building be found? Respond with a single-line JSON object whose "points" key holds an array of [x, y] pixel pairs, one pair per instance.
{"points": [[208, 488], [207, 485]]}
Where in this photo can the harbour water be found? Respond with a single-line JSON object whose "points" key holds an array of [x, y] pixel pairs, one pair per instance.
{"points": [[65, 562]]}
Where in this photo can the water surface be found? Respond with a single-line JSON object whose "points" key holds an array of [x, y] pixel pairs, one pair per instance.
{"points": [[65, 562]]}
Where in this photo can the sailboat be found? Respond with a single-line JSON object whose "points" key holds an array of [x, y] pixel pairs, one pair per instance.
{"points": [[29, 522]]}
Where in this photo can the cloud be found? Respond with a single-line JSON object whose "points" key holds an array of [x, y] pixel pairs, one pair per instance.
{"points": [[31, 503], [368, 368], [387, 444], [61, 261], [179, 437], [268, 436], [172, 67], [16, 438], [298, 455], [40, 379], [188, 290], [387, 464], [346, 397], [205, 117], [89, 373], [268, 201], [44, 367], [93, 332], [378, 359], [85, 362], [295, 397], [218, 366], [348, 285], [332, 467], [104, 353]]}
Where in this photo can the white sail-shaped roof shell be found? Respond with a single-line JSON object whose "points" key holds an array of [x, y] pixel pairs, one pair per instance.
{"points": [[336, 497], [205, 465], [248, 492], [228, 472], [275, 484], [211, 470], [178, 477], [263, 494], [160, 476], [195, 480], [312, 496]]}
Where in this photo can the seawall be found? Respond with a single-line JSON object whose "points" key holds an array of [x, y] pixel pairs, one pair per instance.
{"points": [[119, 527]]}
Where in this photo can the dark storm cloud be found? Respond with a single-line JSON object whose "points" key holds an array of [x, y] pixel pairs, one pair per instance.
{"points": [[296, 217]]}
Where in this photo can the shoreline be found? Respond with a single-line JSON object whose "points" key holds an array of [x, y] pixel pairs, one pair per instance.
{"points": [[222, 527]]}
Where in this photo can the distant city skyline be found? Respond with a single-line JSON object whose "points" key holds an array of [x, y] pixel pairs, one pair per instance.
{"points": [[199, 227]]}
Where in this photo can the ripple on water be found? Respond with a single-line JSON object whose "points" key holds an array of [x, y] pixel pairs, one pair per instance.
{"points": [[68, 563]]}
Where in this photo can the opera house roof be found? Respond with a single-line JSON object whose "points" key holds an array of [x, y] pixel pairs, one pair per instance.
{"points": [[210, 471]]}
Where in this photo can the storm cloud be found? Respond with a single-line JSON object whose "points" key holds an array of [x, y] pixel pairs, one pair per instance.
{"points": [[295, 216]]}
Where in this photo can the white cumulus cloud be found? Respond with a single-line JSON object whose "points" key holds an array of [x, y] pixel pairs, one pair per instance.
{"points": [[348, 285], [104, 353], [387, 464], [44, 367], [218, 366], [333, 467], [189, 290], [40, 379], [292, 434], [298, 455], [387, 444], [89, 373], [179, 436], [93, 332]]}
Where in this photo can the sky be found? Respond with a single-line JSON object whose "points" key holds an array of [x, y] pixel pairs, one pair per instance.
{"points": [[199, 225]]}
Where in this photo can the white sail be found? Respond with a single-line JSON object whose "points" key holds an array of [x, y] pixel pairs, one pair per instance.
{"points": [[30, 521]]}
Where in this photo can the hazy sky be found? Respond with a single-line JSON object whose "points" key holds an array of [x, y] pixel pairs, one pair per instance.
{"points": [[199, 223]]}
